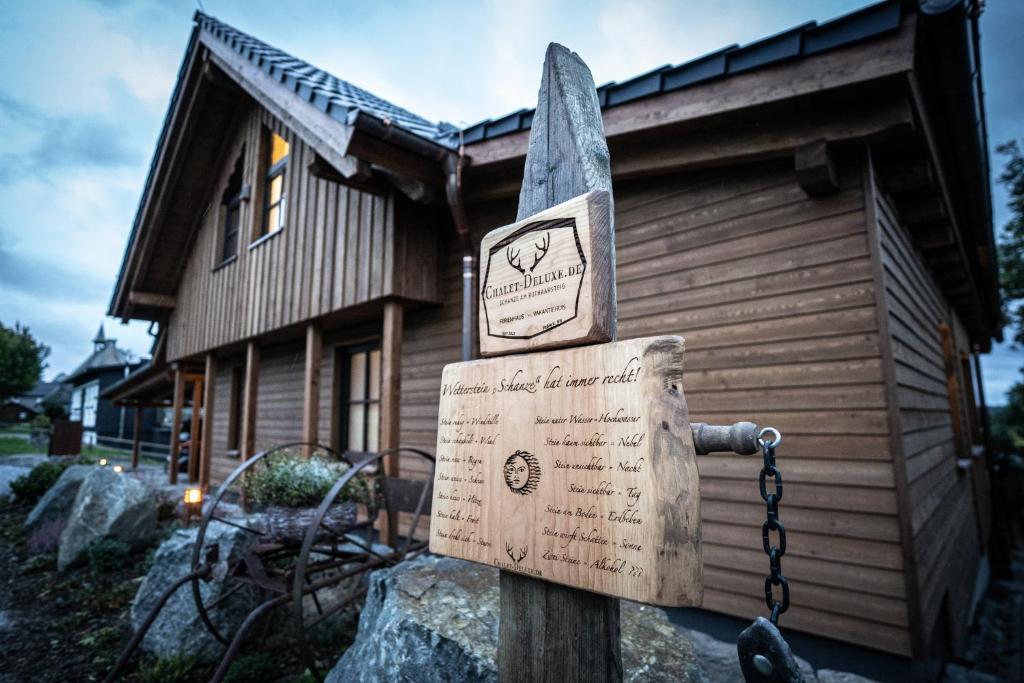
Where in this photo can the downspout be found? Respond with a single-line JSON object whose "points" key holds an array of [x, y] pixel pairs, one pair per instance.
{"points": [[453, 190]]}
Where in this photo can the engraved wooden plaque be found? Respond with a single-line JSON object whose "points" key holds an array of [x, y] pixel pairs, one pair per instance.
{"points": [[549, 281], [576, 466]]}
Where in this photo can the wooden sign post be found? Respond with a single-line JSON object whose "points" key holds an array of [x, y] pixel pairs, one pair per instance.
{"points": [[573, 470]]}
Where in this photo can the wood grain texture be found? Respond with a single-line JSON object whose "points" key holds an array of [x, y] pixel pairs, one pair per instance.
{"points": [[250, 393], [548, 281], [209, 417], [543, 626], [178, 404], [311, 387], [340, 247], [574, 465]]}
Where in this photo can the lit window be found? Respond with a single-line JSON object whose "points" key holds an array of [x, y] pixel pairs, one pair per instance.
{"points": [[361, 399], [274, 194]]}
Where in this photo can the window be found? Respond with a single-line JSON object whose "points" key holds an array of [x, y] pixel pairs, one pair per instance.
{"points": [[360, 394], [275, 162], [232, 202], [90, 402]]}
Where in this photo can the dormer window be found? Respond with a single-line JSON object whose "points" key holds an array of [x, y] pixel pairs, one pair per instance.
{"points": [[275, 163], [232, 202]]}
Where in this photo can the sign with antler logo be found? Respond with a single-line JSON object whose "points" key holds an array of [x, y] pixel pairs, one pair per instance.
{"points": [[548, 281]]}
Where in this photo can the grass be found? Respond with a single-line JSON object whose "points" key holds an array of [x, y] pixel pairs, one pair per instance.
{"points": [[12, 445]]}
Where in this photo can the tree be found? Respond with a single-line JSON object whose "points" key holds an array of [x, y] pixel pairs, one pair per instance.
{"points": [[1011, 240], [1008, 427], [22, 360]]}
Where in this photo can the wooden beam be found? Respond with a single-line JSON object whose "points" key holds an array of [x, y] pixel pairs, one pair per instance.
{"points": [[391, 398], [932, 236], [879, 58], [151, 299], [136, 437], [178, 406], [815, 171], [209, 393], [311, 388], [249, 396], [195, 432], [768, 135], [925, 209], [548, 631], [362, 179], [323, 133], [905, 173]]}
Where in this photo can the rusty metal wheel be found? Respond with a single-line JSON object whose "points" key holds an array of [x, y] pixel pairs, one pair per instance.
{"points": [[339, 559]]}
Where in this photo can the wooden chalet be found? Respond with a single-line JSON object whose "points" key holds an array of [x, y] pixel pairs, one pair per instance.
{"points": [[810, 211]]}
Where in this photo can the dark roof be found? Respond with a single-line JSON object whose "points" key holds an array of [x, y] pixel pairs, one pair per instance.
{"points": [[800, 41], [331, 95], [107, 356]]}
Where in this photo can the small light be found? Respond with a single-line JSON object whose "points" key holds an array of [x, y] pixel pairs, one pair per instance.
{"points": [[118, 469], [193, 496], [103, 462]]}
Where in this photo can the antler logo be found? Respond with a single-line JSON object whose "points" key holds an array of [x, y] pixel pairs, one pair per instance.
{"points": [[539, 252], [517, 560]]}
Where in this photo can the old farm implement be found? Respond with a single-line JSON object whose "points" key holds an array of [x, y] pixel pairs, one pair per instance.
{"points": [[294, 577]]}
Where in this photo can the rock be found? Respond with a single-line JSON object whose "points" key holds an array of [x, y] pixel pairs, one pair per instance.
{"points": [[108, 505], [721, 662], [57, 502], [829, 676], [436, 619], [178, 629]]}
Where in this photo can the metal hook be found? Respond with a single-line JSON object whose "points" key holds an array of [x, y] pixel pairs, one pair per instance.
{"points": [[774, 443]]}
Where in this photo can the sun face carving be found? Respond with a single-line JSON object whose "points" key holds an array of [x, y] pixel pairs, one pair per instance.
{"points": [[522, 472]]}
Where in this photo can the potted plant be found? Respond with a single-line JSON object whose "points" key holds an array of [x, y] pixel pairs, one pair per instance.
{"points": [[288, 489]]}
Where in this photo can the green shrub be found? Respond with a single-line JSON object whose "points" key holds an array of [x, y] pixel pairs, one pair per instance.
{"points": [[107, 555], [254, 667], [293, 481], [178, 669], [41, 422], [29, 488]]}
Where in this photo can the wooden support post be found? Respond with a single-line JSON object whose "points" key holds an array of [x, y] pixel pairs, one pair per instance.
{"points": [[136, 437], [548, 631], [178, 406], [195, 432], [390, 399], [249, 394], [311, 388], [209, 391]]}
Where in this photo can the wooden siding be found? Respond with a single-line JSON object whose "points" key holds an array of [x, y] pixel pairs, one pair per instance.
{"points": [[940, 498], [773, 292], [339, 247]]}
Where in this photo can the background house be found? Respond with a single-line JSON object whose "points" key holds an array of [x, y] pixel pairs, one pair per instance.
{"points": [[102, 421], [45, 398], [811, 212]]}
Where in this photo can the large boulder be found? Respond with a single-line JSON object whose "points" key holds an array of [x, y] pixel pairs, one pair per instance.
{"points": [[721, 661], [179, 629], [108, 505], [436, 619], [56, 503]]}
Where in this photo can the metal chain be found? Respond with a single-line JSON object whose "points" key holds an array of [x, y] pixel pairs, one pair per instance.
{"points": [[773, 523]]}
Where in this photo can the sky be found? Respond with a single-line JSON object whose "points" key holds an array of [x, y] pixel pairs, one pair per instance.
{"points": [[84, 86]]}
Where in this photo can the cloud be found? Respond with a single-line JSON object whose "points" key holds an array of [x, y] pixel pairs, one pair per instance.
{"points": [[33, 276]]}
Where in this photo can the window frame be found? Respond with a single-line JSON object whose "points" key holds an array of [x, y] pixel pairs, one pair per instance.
{"points": [[268, 173], [344, 402], [229, 203]]}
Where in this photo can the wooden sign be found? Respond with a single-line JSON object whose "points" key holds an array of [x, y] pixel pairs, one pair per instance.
{"points": [[575, 466], [548, 281]]}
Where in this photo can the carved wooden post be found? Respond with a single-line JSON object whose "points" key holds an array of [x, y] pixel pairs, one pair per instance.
{"points": [[549, 631], [178, 406], [572, 470]]}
